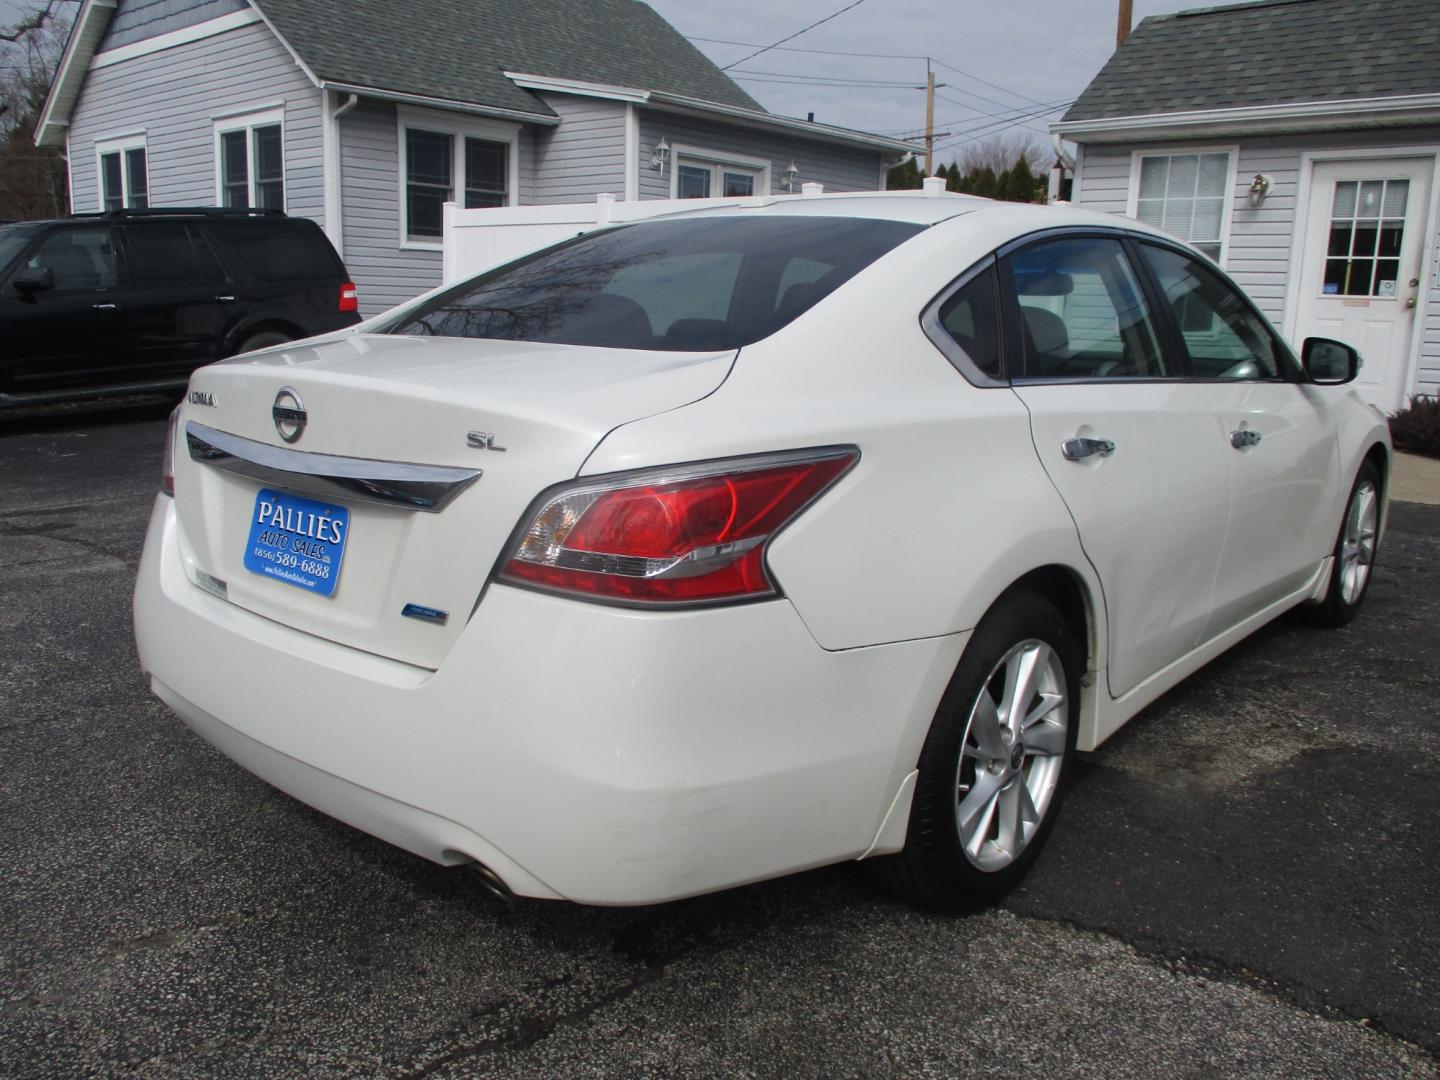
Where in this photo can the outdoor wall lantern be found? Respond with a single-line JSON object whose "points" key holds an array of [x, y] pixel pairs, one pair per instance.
{"points": [[789, 176], [1259, 189], [660, 156]]}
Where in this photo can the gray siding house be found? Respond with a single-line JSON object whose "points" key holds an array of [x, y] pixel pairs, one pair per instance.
{"points": [[1296, 142], [369, 115]]}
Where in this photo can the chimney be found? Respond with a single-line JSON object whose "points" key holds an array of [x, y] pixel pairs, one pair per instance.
{"points": [[1122, 28]]}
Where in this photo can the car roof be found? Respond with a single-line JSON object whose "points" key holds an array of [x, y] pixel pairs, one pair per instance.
{"points": [[916, 207]]}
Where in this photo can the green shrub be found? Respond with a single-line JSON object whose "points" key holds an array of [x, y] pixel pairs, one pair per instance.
{"points": [[1416, 429]]}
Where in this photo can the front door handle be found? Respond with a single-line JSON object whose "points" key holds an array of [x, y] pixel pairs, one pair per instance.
{"points": [[1243, 438], [225, 299], [105, 307], [1079, 449]]}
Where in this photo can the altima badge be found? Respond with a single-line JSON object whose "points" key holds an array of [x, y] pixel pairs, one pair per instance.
{"points": [[289, 414], [202, 397], [482, 440]]}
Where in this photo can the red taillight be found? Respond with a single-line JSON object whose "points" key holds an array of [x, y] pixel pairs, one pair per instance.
{"points": [[349, 297], [167, 455], [684, 535]]}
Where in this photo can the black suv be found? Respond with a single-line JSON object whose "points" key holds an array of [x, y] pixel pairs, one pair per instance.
{"points": [[137, 299]]}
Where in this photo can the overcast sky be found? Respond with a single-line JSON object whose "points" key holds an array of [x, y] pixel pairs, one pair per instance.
{"points": [[1013, 57]]}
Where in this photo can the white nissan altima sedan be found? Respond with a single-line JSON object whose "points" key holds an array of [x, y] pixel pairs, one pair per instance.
{"points": [[706, 549]]}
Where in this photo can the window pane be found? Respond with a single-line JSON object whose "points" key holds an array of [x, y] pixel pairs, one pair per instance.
{"points": [[1154, 172], [1391, 233], [1214, 172], [1342, 233], [485, 170], [161, 253], [1082, 312], [234, 170], [136, 178], [1371, 192], [1184, 172], [1397, 193], [1345, 193], [1223, 335], [79, 258], [269, 168], [971, 317], [737, 184], [425, 210], [113, 196], [716, 294], [692, 182], [1209, 214], [427, 158]]}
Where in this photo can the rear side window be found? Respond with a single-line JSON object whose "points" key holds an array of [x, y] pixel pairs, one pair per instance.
{"points": [[717, 283], [971, 318], [280, 250], [163, 253]]}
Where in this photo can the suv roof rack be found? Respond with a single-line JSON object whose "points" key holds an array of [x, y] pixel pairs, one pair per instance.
{"points": [[184, 211]]}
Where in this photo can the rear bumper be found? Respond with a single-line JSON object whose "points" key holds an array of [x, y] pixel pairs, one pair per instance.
{"points": [[581, 752]]}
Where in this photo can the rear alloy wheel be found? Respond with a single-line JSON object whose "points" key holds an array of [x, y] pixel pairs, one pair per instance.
{"points": [[1354, 552], [994, 764]]}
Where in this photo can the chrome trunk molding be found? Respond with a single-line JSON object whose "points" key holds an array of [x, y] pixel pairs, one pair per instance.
{"points": [[390, 483]]}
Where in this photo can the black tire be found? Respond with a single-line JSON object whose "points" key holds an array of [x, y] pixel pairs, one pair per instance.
{"points": [[1346, 594], [263, 339], [934, 869]]}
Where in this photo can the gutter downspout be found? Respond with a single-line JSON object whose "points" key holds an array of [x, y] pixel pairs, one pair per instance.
{"points": [[334, 184]]}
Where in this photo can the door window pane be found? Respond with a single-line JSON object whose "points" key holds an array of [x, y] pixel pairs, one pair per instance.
{"points": [[234, 170], [269, 168], [111, 184], [1083, 315], [162, 254], [971, 317], [136, 178], [1363, 255], [79, 258], [1223, 335], [428, 185]]}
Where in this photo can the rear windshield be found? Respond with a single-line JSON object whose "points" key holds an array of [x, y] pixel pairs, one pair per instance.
{"points": [[684, 285], [281, 250]]}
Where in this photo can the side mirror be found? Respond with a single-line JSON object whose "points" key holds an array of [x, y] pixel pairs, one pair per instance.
{"points": [[1329, 363], [33, 279]]}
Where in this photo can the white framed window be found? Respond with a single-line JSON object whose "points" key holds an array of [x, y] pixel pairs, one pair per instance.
{"points": [[446, 157], [123, 172], [1189, 194], [697, 173], [250, 159]]}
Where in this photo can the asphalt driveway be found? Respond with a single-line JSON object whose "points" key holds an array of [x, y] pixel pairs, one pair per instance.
{"points": [[1244, 881]]}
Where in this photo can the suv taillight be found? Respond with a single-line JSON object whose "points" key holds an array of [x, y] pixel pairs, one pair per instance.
{"points": [[349, 297], [167, 455], [683, 535]]}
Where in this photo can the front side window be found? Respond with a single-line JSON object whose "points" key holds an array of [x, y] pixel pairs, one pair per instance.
{"points": [[79, 259], [1082, 313], [124, 178], [250, 162], [664, 285], [1185, 194], [1224, 336]]}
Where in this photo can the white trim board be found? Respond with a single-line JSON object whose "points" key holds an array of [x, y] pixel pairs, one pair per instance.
{"points": [[632, 153], [1305, 180], [198, 32]]}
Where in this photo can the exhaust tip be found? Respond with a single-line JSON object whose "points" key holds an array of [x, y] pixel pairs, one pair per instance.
{"points": [[491, 882]]}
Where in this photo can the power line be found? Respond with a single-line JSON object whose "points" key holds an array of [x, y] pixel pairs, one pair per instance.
{"points": [[817, 52], [994, 127], [797, 33], [993, 86], [825, 78], [857, 85]]}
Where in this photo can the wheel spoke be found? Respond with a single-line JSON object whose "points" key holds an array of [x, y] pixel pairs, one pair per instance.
{"points": [[1049, 702], [985, 728], [1011, 833], [977, 810], [1020, 676], [1047, 740]]}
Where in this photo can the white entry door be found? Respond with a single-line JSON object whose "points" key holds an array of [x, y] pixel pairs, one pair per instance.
{"points": [[1360, 278]]}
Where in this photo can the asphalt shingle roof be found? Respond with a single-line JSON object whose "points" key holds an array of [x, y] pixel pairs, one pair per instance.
{"points": [[458, 49], [1269, 53]]}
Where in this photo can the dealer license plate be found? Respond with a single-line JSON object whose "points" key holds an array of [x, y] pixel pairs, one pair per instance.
{"points": [[296, 540]]}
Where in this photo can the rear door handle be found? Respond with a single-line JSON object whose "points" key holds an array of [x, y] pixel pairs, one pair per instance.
{"points": [[225, 299], [1244, 437], [1079, 449], [105, 307]]}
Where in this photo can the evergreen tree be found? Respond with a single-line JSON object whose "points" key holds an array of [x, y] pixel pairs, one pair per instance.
{"points": [[904, 176]]}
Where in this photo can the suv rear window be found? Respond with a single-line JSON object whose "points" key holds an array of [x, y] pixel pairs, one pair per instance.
{"points": [[682, 285], [281, 250]]}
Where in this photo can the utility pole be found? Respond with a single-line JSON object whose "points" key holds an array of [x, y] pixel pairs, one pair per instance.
{"points": [[1122, 29], [930, 118]]}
